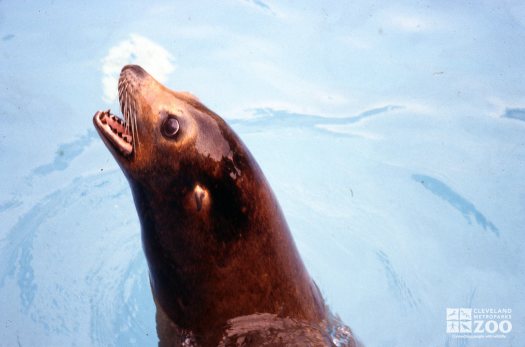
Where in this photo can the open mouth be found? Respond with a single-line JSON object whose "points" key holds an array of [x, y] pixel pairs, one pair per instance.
{"points": [[121, 133], [116, 130]]}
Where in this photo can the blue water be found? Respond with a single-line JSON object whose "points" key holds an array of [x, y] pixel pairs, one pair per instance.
{"points": [[392, 135]]}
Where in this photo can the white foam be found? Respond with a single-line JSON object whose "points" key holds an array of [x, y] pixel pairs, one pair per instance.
{"points": [[137, 49]]}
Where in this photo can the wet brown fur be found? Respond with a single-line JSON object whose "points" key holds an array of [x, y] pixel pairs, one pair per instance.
{"points": [[220, 251]]}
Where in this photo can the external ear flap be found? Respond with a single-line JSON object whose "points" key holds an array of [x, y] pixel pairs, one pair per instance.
{"points": [[201, 197]]}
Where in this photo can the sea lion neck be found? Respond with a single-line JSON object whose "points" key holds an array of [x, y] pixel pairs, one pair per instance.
{"points": [[198, 255]]}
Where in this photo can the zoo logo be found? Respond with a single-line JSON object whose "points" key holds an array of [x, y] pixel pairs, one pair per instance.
{"points": [[465, 321]]}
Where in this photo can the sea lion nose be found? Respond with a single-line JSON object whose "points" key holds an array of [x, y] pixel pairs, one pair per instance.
{"points": [[135, 69]]}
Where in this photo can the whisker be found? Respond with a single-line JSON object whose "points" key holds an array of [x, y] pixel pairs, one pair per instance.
{"points": [[128, 105], [134, 116]]}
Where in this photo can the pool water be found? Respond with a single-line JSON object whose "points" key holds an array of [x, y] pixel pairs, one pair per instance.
{"points": [[392, 135]]}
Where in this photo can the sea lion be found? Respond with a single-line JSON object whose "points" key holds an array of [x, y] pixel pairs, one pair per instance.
{"points": [[224, 269]]}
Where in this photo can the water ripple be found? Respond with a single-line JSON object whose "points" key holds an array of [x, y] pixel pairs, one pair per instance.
{"points": [[461, 204], [76, 262], [396, 284], [66, 153], [269, 117], [515, 113]]}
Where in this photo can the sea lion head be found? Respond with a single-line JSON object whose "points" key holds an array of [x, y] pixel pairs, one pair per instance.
{"points": [[170, 143], [161, 128]]}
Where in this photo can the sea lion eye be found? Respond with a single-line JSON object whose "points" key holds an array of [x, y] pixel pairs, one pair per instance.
{"points": [[170, 127]]}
